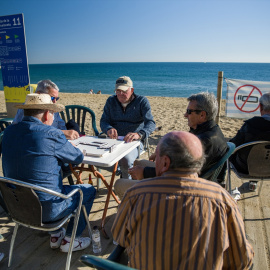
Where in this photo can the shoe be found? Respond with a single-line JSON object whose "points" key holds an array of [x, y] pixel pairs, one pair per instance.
{"points": [[253, 185], [80, 243], [57, 238]]}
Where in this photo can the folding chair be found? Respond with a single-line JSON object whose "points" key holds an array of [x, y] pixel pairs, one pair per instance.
{"points": [[258, 163], [146, 144], [25, 209], [214, 171], [4, 124]]}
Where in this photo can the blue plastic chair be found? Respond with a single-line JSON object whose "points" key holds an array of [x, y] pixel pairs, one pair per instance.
{"points": [[214, 171], [91, 260]]}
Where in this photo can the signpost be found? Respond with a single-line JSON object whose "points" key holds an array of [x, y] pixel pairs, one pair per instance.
{"points": [[13, 59]]}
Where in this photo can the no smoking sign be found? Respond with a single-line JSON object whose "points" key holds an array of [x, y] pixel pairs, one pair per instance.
{"points": [[246, 98]]}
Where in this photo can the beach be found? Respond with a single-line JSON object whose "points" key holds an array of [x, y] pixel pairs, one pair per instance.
{"points": [[168, 113]]}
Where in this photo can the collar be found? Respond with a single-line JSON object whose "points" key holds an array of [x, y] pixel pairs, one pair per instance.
{"points": [[203, 126], [31, 119], [181, 173], [266, 117]]}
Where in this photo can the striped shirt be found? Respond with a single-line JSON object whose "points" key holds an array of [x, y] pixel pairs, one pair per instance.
{"points": [[171, 222]]}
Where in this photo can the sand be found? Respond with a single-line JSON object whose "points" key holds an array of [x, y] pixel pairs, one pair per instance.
{"points": [[168, 112]]}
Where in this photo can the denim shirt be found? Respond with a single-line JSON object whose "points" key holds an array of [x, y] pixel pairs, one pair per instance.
{"points": [[136, 117], [34, 152], [58, 122]]}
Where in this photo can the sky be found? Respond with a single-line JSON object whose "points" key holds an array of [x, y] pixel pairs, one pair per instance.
{"points": [[92, 31]]}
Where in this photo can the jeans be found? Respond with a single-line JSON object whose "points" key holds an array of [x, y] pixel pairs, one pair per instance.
{"points": [[127, 161], [89, 193]]}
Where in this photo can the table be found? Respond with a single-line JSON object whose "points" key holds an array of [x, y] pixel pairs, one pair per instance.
{"points": [[105, 158]]}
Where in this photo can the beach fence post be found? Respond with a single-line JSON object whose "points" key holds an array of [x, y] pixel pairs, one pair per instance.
{"points": [[219, 94]]}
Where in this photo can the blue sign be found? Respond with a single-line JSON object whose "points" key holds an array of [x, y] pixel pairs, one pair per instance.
{"points": [[13, 58]]}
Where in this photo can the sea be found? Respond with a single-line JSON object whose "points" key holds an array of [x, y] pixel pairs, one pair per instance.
{"points": [[174, 79]]}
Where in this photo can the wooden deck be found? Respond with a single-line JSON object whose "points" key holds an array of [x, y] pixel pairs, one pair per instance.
{"points": [[32, 249]]}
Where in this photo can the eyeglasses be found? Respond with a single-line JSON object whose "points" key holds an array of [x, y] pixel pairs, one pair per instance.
{"points": [[121, 91], [54, 98], [189, 111]]}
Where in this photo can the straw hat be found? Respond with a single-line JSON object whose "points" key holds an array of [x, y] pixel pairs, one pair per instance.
{"points": [[40, 102]]}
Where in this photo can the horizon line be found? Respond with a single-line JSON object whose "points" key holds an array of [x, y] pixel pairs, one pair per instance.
{"points": [[203, 62]]}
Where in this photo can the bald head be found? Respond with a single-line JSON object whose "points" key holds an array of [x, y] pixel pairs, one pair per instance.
{"points": [[182, 150]]}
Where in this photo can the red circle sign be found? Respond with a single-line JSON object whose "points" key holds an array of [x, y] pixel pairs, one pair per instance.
{"points": [[250, 95]]}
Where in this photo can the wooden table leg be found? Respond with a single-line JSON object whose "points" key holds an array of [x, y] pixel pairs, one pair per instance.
{"points": [[107, 201]]}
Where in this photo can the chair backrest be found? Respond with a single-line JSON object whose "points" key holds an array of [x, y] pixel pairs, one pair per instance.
{"points": [[214, 171], [81, 115], [259, 160], [22, 203], [4, 125]]}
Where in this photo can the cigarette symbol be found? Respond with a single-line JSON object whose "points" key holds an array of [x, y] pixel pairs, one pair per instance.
{"points": [[251, 99]]}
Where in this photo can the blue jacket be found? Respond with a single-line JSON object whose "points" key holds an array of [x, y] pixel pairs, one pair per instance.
{"points": [[34, 152], [136, 117]]}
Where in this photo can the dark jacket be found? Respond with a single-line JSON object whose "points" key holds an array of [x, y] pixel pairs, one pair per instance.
{"points": [[254, 129], [213, 141]]}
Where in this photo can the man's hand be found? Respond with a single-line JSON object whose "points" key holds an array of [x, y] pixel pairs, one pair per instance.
{"points": [[132, 137], [112, 133], [71, 134], [136, 172]]}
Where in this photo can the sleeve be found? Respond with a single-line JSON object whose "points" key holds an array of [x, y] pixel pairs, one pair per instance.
{"points": [[149, 172], [239, 254], [105, 121], [149, 123], [66, 152], [120, 230], [18, 117]]}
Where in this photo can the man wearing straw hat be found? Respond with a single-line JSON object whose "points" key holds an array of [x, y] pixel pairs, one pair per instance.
{"points": [[33, 151], [49, 87]]}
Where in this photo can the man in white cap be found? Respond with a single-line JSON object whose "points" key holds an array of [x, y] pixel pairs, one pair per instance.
{"points": [[128, 115], [33, 151]]}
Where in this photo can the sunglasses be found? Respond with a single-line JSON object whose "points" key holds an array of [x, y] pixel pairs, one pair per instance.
{"points": [[189, 111], [54, 98]]}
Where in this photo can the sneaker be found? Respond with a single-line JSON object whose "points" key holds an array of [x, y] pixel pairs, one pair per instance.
{"points": [[57, 238], [80, 243], [253, 185]]}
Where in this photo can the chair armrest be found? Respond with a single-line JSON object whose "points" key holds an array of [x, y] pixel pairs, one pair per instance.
{"points": [[35, 187], [116, 254]]}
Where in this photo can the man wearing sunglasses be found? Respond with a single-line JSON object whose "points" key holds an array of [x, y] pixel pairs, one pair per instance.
{"points": [[49, 87], [128, 115], [201, 112]]}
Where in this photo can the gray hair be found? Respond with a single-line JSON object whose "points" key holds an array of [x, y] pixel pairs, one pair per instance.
{"points": [[206, 102], [44, 86], [265, 101], [179, 154]]}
